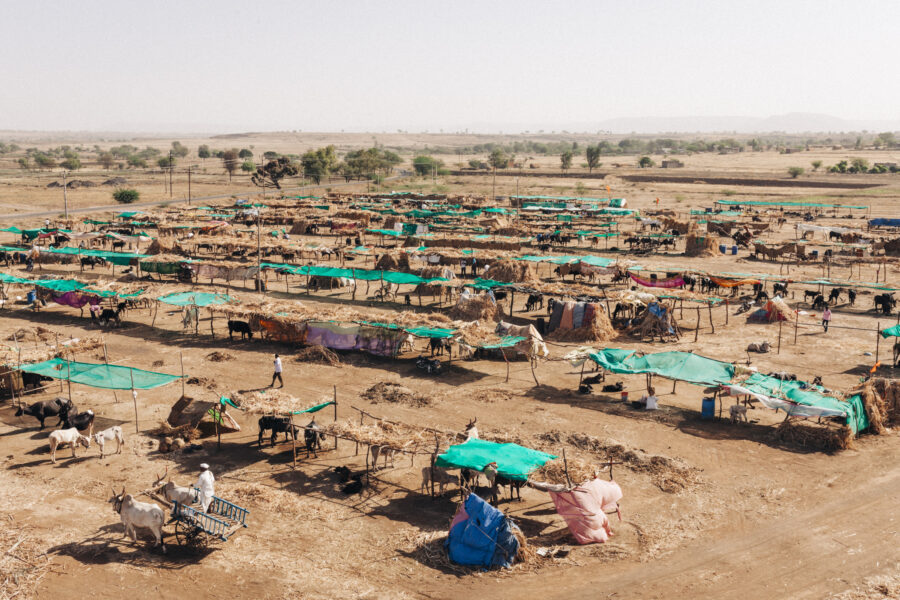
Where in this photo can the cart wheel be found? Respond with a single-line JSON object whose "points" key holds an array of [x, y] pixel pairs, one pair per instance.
{"points": [[190, 535]]}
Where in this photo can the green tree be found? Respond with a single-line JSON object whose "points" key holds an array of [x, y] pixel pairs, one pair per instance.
{"points": [[859, 165], [565, 160], [498, 159], [888, 139], [271, 174], [231, 162], [795, 172], [179, 149], [165, 162], [244, 153], [106, 160], [203, 151], [248, 166], [816, 164], [137, 161], [270, 155], [126, 196], [72, 163], [44, 161], [646, 162], [24, 163], [426, 165], [592, 153], [474, 163], [319, 163]]}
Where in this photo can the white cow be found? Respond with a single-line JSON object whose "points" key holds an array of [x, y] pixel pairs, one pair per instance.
{"points": [[174, 492], [139, 514], [108, 435], [67, 436]]}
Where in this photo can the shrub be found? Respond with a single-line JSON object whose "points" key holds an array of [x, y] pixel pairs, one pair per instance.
{"points": [[126, 196], [795, 172]]}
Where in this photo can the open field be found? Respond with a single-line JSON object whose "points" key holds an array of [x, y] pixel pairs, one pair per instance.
{"points": [[725, 511]]}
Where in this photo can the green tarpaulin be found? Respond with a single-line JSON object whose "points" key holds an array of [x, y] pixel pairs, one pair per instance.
{"points": [[891, 331], [682, 366], [507, 341], [196, 299], [784, 203], [361, 274], [487, 284], [513, 461], [313, 409], [163, 268], [116, 258], [110, 377], [429, 332], [65, 285]]}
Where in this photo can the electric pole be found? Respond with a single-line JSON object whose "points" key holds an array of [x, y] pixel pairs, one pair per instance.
{"points": [[171, 168]]}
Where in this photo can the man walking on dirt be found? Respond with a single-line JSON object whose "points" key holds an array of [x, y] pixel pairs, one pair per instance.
{"points": [[826, 318], [277, 374]]}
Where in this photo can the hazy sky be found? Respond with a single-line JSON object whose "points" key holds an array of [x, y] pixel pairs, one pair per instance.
{"points": [[328, 66]]}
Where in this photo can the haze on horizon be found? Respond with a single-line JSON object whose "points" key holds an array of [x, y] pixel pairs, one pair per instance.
{"points": [[508, 66]]}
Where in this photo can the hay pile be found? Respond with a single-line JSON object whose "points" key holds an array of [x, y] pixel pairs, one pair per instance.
{"points": [[387, 391], [393, 261], [651, 326], [32, 334], [382, 433], [554, 471], [390, 221], [881, 399], [696, 245], [807, 434], [512, 271], [600, 329], [23, 561], [683, 227], [160, 246], [478, 307], [219, 356], [359, 216], [319, 355], [271, 401]]}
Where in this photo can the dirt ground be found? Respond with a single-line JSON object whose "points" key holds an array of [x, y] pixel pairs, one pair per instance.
{"points": [[726, 511]]}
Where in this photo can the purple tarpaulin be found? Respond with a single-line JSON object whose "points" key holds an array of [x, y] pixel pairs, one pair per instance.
{"points": [[75, 299], [674, 282]]}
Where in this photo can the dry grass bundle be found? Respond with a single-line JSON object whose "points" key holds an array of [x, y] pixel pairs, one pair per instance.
{"points": [[696, 245], [187, 431], [382, 433], [219, 356], [393, 261], [652, 326], [512, 271], [683, 227], [269, 401], [390, 221], [668, 474], [599, 329], [387, 391], [477, 308], [360, 216], [318, 355], [889, 391], [160, 246], [806, 434], [554, 471], [436, 271], [23, 561], [32, 334]]}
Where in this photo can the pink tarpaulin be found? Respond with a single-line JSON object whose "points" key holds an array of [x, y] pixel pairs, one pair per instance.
{"points": [[584, 509], [674, 282]]}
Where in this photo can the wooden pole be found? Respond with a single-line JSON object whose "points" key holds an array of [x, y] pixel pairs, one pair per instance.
{"points": [[566, 467], [68, 379], [536, 382], [697, 331], [134, 399], [796, 326], [877, 340], [294, 442], [181, 358], [779, 336], [335, 416], [726, 311], [503, 352], [711, 324]]}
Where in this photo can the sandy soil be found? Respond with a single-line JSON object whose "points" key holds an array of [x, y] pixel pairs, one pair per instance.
{"points": [[739, 515]]}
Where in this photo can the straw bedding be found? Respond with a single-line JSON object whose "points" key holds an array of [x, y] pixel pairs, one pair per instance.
{"points": [[318, 355], [807, 434], [270, 401], [219, 356], [600, 329], [555, 472], [382, 433], [477, 308], [387, 391], [23, 562]]}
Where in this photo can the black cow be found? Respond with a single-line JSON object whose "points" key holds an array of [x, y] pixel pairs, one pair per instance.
{"points": [[241, 327], [276, 425], [835, 295], [438, 345], [499, 295], [81, 421], [108, 315], [534, 301], [885, 303], [614, 387], [92, 261], [58, 407], [834, 235], [819, 302], [34, 380], [760, 296], [807, 294], [780, 289], [852, 295], [118, 244], [551, 303]]}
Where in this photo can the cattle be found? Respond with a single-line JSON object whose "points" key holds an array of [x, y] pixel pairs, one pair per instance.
{"points": [[835, 295], [496, 480], [613, 387], [758, 347], [276, 425], [807, 294], [738, 413], [471, 431], [139, 514], [66, 436], [34, 380], [499, 295], [780, 289], [241, 327], [438, 475], [783, 376], [354, 487], [109, 315], [312, 438], [81, 421], [851, 294], [108, 435], [438, 345], [896, 352], [92, 261], [118, 244], [819, 302], [834, 235], [174, 492], [534, 302], [378, 451], [885, 303], [58, 407], [551, 304], [760, 296]]}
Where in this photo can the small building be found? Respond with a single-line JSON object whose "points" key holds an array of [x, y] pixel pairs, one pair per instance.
{"points": [[672, 163]]}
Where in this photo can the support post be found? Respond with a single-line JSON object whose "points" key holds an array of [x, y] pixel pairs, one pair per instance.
{"points": [[877, 340], [294, 443], [780, 322], [697, 330], [106, 360], [335, 416], [134, 400], [181, 358]]}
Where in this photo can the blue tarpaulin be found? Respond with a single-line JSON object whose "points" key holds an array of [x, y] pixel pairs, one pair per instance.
{"points": [[884, 222], [484, 537]]}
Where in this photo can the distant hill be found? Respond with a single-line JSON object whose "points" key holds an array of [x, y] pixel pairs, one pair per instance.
{"points": [[788, 123]]}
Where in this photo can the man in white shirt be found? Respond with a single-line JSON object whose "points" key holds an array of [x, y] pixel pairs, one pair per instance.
{"points": [[277, 374], [206, 483], [651, 402]]}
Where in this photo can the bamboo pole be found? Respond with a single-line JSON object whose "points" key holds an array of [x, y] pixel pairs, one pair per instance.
{"points": [[106, 360], [779, 336], [134, 399], [697, 330], [181, 358], [711, 324], [294, 442], [877, 340], [335, 416]]}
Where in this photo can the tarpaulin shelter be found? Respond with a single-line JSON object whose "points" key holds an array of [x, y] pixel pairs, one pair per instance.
{"points": [[397, 277], [513, 461], [196, 299], [116, 258], [110, 377], [481, 535], [800, 399], [891, 331], [884, 222], [681, 366]]}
